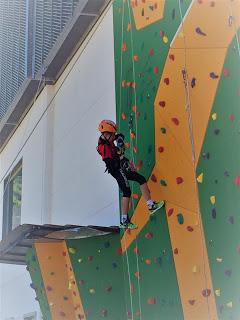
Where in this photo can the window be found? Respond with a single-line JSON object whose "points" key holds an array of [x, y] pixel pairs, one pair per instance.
{"points": [[12, 199], [30, 316]]}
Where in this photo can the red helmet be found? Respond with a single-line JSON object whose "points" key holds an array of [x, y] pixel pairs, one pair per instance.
{"points": [[107, 126]]}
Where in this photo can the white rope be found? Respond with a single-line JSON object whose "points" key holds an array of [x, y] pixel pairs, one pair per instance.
{"points": [[188, 109]]}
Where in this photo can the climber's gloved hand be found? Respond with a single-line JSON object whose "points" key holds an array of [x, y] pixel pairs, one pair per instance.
{"points": [[119, 140]]}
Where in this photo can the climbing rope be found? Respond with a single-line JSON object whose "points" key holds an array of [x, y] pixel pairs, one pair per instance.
{"points": [[190, 123]]}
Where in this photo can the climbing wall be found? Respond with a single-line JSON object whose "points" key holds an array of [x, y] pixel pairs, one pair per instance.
{"points": [[177, 66], [177, 82]]}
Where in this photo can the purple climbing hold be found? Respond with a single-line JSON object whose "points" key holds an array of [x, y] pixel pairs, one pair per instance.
{"points": [[200, 32], [214, 213], [231, 219], [228, 272], [193, 82], [226, 173], [213, 75], [206, 155]]}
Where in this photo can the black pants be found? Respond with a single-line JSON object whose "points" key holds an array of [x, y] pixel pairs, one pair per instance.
{"points": [[122, 178]]}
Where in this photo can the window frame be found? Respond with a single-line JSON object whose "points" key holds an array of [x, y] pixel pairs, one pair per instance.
{"points": [[7, 204]]}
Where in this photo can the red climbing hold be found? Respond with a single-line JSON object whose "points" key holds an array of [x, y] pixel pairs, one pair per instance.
{"points": [[62, 314], [170, 212], [191, 302], [166, 81], [190, 229], [137, 274], [151, 52], [153, 178], [232, 117], [226, 72], [90, 258], [237, 181], [179, 180], [238, 249], [161, 149], [172, 57], [124, 47], [151, 300], [155, 70], [175, 121], [149, 235], [162, 104], [175, 251], [206, 293], [64, 253], [119, 251], [136, 250]]}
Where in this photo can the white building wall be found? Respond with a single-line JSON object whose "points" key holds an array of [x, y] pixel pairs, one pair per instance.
{"points": [[63, 175]]}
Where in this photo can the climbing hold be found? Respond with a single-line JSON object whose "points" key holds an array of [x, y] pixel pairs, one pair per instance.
{"points": [[193, 82], [62, 314], [228, 272], [195, 269], [80, 260], [104, 313], [226, 72], [170, 212], [161, 149], [136, 250], [218, 292], [231, 219], [191, 302], [166, 81], [213, 199], [180, 218], [65, 298], [200, 32], [214, 116], [49, 288], [90, 258], [124, 46], [206, 292], [155, 70], [137, 274], [163, 130], [162, 104], [219, 259], [179, 180], [206, 155], [114, 265], [213, 75], [92, 291], [151, 300], [232, 117], [217, 131], [172, 57], [148, 261], [200, 178], [163, 183], [214, 213], [135, 196], [64, 253], [124, 116], [72, 250], [133, 135], [175, 251], [229, 304], [237, 181], [109, 289], [135, 57], [175, 121], [149, 235], [82, 282], [190, 229], [165, 39], [153, 178]]}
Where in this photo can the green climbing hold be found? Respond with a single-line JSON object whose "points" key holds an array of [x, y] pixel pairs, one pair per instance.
{"points": [[163, 130], [163, 183], [180, 218]]}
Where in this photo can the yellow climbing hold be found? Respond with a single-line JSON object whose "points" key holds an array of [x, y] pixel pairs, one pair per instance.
{"points": [[214, 116], [230, 304], [218, 292], [72, 250], [213, 199], [69, 285], [165, 39], [219, 260], [200, 178], [195, 269], [92, 291]]}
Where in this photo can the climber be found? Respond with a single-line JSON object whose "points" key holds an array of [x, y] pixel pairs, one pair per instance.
{"points": [[122, 170]]}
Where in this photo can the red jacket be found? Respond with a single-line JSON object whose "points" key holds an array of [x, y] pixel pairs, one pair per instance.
{"points": [[109, 153]]}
